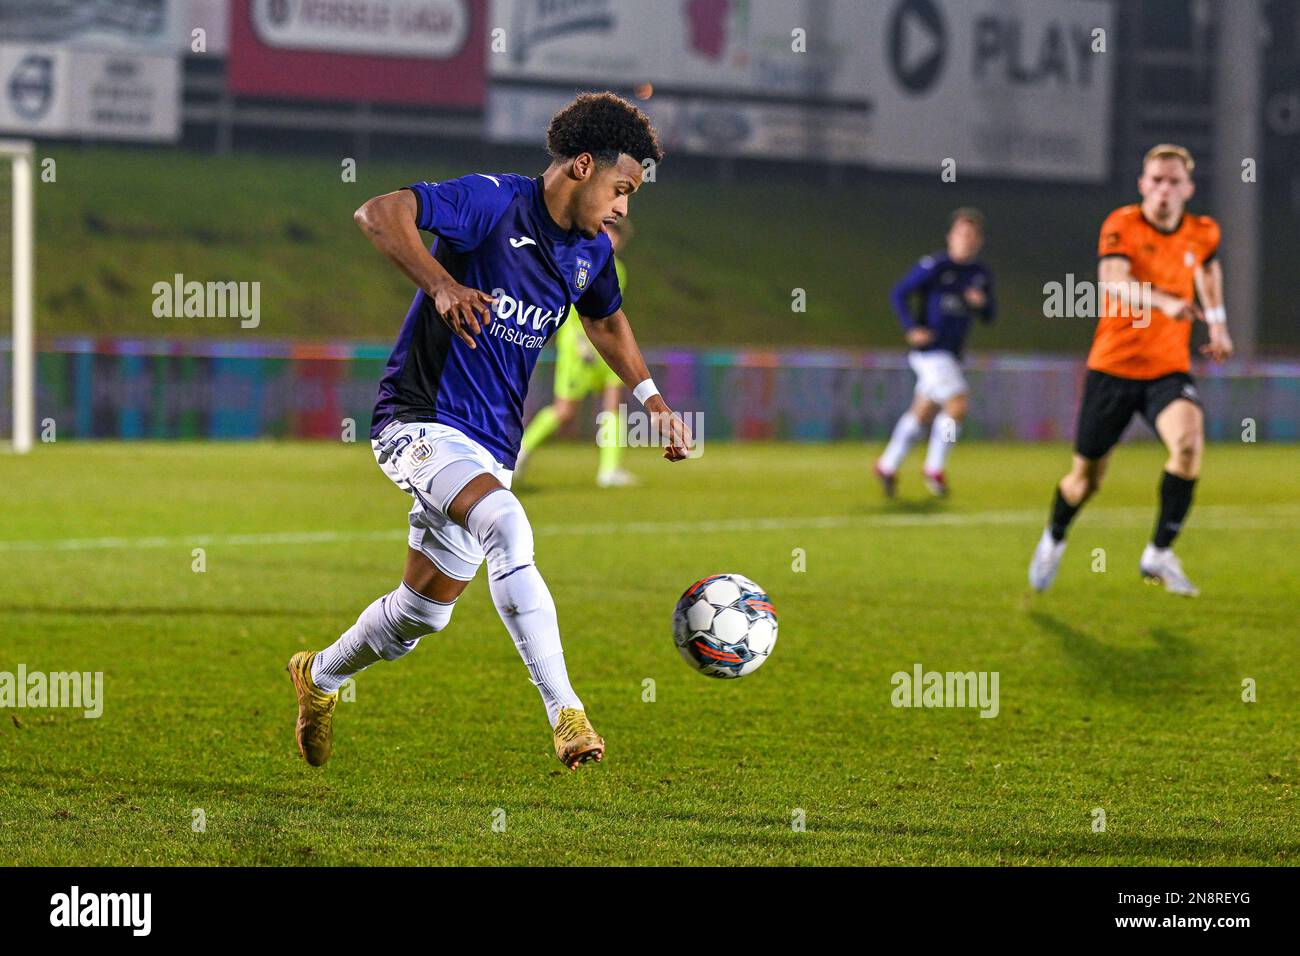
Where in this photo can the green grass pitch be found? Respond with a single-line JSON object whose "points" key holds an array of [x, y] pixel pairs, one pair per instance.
{"points": [[1113, 695]]}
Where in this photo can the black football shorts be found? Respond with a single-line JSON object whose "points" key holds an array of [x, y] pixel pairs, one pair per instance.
{"points": [[1109, 403]]}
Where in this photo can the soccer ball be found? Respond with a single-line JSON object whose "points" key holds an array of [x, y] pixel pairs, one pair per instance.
{"points": [[724, 626]]}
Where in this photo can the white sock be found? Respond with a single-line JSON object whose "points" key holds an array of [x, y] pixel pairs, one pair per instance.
{"points": [[521, 596], [388, 629], [943, 435], [349, 655], [906, 432]]}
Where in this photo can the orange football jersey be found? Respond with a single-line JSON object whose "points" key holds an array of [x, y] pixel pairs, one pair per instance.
{"points": [[1126, 345]]}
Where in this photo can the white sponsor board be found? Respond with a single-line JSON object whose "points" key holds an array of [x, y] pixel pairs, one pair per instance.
{"points": [[703, 44], [700, 125], [125, 95], [428, 29], [1002, 87], [33, 89], [131, 24], [60, 91]]}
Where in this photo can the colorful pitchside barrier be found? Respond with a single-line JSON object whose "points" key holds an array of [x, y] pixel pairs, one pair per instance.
{"points": [[201, 389]]}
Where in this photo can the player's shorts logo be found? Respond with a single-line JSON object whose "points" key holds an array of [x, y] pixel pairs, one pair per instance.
{"points": [[1189, 391], [421, 451], [580, 277]]}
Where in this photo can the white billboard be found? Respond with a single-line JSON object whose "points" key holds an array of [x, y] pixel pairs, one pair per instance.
{"points": [[1002, 87], [33, 89], [61, 91], [125, 95], [1016, 88], [699, 125], [132, 24], [779, 47], [433, 29]]}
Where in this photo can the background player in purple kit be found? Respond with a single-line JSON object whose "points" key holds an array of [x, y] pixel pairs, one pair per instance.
{"points": [[511, 255], [949, 289]]}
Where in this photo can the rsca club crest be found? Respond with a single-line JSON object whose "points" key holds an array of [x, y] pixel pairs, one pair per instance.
{"points": [[584, 272]]}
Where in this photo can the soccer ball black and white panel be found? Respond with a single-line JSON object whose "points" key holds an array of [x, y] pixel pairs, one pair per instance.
{"points": [[724, 626]]}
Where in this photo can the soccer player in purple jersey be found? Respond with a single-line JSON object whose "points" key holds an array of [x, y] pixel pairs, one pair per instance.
{"points": [[950, 289], [511, 255]]}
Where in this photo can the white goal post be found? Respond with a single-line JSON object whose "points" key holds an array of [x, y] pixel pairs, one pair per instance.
{"points": [[21, 154]]}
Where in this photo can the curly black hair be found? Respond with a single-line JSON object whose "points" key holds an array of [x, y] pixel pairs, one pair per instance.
{"points": [[604, 125]]}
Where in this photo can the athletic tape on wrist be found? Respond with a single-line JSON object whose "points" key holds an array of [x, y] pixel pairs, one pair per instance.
{"points": [[643, 391], [1216, 315]]}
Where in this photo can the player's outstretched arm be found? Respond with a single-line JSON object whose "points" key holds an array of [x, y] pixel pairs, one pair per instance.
{"points": [[900, 297], [612, 337], [389, 222], [1116, 280], [1209, 287], [985, 305]]}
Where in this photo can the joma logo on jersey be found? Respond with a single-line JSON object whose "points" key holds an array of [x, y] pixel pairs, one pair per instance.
{"points": [[524, 313], [584, 271]]}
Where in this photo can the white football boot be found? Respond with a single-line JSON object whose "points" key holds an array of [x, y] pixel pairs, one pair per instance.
{"points": [[1046, 559], [1161, 566], [615, 478]]}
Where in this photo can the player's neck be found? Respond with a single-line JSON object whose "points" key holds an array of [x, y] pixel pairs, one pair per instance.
{"points": [[1166, 223], [555, 196]]}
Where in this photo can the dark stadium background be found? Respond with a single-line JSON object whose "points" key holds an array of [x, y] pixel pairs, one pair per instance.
{"points": [[249, 190]]}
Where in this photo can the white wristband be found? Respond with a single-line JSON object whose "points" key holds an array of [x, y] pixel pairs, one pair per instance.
{"points": [[1216, 316], [643, 391]]}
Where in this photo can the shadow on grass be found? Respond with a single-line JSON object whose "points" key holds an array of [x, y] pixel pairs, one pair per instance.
{"points": [[1169, 667]]}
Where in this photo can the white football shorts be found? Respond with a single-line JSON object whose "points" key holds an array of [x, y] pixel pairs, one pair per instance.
{"points": [[432, 463], [938, 375]]}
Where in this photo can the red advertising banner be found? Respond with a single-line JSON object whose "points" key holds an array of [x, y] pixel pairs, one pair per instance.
{"points": [[422, 52]]}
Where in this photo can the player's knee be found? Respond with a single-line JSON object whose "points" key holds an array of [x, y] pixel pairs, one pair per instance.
{"points": [[1081, 484], [501, 527], [407, 617], [1185, 455]]}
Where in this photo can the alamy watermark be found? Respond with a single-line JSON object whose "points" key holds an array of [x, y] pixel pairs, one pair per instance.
{"points": [[179, 299], [922, 688], [130, 910], [643, 430], [80, 690], [1083, 298]]}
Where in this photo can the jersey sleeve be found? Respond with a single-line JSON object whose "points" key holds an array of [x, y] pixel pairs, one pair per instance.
{"points": [[917, 278], [1115, 238], [604, 297], [1210, 241], [462, 211]]}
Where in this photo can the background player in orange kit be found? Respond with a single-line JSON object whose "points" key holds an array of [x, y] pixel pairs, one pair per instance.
{"points": [[1157, 261]]}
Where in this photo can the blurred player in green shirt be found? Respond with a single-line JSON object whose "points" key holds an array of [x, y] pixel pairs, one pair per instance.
{"points": [[579, 372]]}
